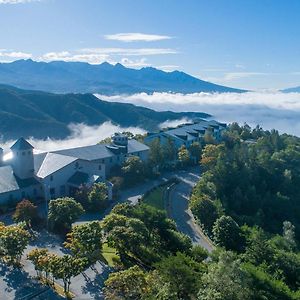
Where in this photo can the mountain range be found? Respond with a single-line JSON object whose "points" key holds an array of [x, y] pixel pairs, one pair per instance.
{"points": [[42, 114], [292, 90], [106, 79]]}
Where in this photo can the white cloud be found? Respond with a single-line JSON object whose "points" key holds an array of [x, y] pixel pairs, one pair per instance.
{"points": [[82, 135], [174, 123], [269, 109], [8, 56], [130, 51], [136, 37], [17, 1], [138, 63], [92, 58], [111, 55]]}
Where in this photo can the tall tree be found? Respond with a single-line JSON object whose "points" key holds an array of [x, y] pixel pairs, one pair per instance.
{"points": [[183, 156], [98, 197], [13, 241], [63, 212], [129, 284], [85, 241], [225, 280], [25, 212], [227, 233]]}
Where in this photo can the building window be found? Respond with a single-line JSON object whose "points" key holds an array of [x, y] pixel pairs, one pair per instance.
{"points": [[100, 167], [51, 178], [103, 161], [29, 152], [23, 153], [34, 192], [110, 160], [52, 191]]}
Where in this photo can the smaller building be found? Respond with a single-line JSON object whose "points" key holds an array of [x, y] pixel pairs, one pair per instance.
{"points": [[186, 134]]}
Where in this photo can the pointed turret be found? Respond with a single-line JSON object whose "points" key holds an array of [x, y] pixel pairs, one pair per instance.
{"points": [[22, 161]]}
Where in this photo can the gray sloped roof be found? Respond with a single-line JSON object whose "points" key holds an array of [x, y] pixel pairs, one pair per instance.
{"points": [[100, 151], [48, 164], [9, 182], [21, 144], [186, 132], [93, 152], [135, 146]]}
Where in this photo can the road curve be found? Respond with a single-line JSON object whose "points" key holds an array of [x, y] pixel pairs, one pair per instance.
{"points": [[179, 211]]}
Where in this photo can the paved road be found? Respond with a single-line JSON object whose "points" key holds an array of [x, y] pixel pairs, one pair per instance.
{"points": [[179, 211]]}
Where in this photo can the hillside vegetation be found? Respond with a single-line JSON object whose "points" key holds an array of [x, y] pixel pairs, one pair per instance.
{"points": [[39, 114]]}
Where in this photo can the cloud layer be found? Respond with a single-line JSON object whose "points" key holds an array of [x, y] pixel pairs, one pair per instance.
{"points": [[82, 135], [269, 109], [136, 37]]}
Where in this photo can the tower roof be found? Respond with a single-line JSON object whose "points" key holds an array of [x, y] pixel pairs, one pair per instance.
{"points": [[21, 144]]}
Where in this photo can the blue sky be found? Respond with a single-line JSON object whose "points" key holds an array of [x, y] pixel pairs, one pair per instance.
{"points": [[253, 44]]}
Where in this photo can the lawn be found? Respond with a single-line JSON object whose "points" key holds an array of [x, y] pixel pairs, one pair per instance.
{"points": [[156, 198], [109, 254]]}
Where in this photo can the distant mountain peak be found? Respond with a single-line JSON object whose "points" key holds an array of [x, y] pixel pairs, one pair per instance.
{"points": [[105, 78]]}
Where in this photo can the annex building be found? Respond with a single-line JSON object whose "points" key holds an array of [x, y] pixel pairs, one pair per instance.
{"points": [[186, 134]]}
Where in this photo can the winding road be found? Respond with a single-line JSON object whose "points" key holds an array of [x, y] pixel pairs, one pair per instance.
{"points": [[179, 211]]}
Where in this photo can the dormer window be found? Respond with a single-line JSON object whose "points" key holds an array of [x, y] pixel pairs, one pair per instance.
{"points": [[23, 153]]}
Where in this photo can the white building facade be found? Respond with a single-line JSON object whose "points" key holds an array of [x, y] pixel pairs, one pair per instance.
{"points": [[60, 173]]}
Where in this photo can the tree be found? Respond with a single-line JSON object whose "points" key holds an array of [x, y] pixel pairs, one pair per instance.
{"points": [[35, 256], [13, 241], [67, 267], [25, 212], [182, 273], [199, 254], [169, 150], [210, 156], [63, 212], [227, 233], [156, 154], [43, 261], [98, 197], [183, 156], [128, 285], [82, 195], [205, 210], [85, 241], [289, 234], [195, 151], [225, 280], [133, 169]]}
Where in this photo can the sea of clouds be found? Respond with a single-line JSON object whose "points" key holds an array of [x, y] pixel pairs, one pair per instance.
{"points": [[269, 109], [81, 135]]}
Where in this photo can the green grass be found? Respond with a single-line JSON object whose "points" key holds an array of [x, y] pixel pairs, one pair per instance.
{"points": [[109, 254], [156, 198]]}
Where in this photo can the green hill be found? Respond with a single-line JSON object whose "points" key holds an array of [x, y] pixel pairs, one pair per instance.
{"points": [[39, 114]]}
